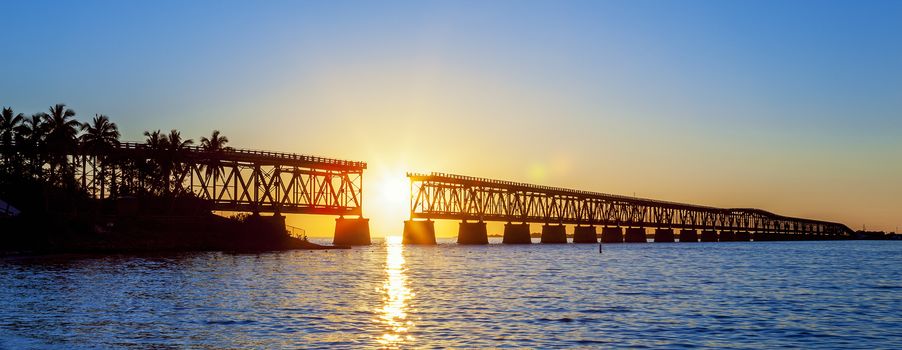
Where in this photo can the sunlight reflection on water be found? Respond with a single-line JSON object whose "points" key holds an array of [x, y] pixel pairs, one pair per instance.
{"points": [[395, 294]]}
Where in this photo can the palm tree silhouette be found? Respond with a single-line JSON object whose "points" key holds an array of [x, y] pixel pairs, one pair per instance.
{"points": [[157, 143], [99, 138], [214, 146], [10, 124], [101, 135], [175, 154], [30, 142], [61, 139]]}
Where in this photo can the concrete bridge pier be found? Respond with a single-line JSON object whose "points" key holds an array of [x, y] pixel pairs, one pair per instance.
{"points": [[726, 236], [554, 233], [516, 234], [585, 234], [664, 235], [635, 235], [688, 236], [351, 231], [419, 232], [472, 233], [741, 236], [611, 235], [709, 236]]}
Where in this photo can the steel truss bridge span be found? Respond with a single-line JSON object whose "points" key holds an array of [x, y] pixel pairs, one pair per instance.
{"points": [[448, 196], [246, 180]]}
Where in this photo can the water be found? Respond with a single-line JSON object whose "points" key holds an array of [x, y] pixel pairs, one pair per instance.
{"points": [[714, 295]]}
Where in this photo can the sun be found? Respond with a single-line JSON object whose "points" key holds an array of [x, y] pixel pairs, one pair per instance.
{"points": [[387, 206], [392, 190]]}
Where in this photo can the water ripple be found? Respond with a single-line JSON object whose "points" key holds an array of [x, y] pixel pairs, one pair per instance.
{"points": [[737, 295]]}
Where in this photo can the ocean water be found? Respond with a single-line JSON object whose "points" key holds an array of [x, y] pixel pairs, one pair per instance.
{"points": [[840, 294]]}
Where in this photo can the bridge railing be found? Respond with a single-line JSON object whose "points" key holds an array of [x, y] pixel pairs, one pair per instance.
{"points": [[260, 153], [559, 190]]}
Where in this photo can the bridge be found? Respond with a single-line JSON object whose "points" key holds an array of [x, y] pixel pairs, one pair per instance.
{"points": [[236, 180], [476, 200]]}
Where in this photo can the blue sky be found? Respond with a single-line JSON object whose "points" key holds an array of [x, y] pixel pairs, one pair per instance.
{"points": [[794, 106]]}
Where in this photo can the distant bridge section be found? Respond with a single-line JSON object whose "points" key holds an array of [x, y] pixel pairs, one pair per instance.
{"points": [[447, 196]]}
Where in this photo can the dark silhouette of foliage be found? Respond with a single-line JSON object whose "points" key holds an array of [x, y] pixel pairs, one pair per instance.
{"points": [[48, 147], [99, 138], [214, 145], [10, 124], [61, 137]]}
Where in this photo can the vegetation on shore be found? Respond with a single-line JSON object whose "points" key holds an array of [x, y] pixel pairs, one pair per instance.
{"points": [[39, 155]]}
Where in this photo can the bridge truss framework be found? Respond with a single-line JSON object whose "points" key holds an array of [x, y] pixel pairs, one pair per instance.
{"points": [[448, 196], [247, 180]]}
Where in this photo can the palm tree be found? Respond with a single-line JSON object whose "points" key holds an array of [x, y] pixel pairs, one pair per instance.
{"points": [[10, 124], [157, 143], [100, 136], [31, 137], [61, 139], [175, 152], [213, 146]]}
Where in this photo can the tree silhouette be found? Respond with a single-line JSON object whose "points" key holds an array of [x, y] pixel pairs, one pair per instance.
{"points": [[176, 149], [214, 146], [157, 144], [10, 125], [31, 143], [99, 138], [61, 141]]}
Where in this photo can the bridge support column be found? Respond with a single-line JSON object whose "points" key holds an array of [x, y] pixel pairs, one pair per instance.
{"points": [[708, 236], [351, 231], [741, 236], [419, 232], [516, 234], [688, 236], [664, 235], [585, 234], [554, 233], [472, 233], [611, 235], [635, 235], [726, 236]]}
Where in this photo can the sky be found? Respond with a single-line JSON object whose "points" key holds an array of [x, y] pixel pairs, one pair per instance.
{"points": [[790, 106]]}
